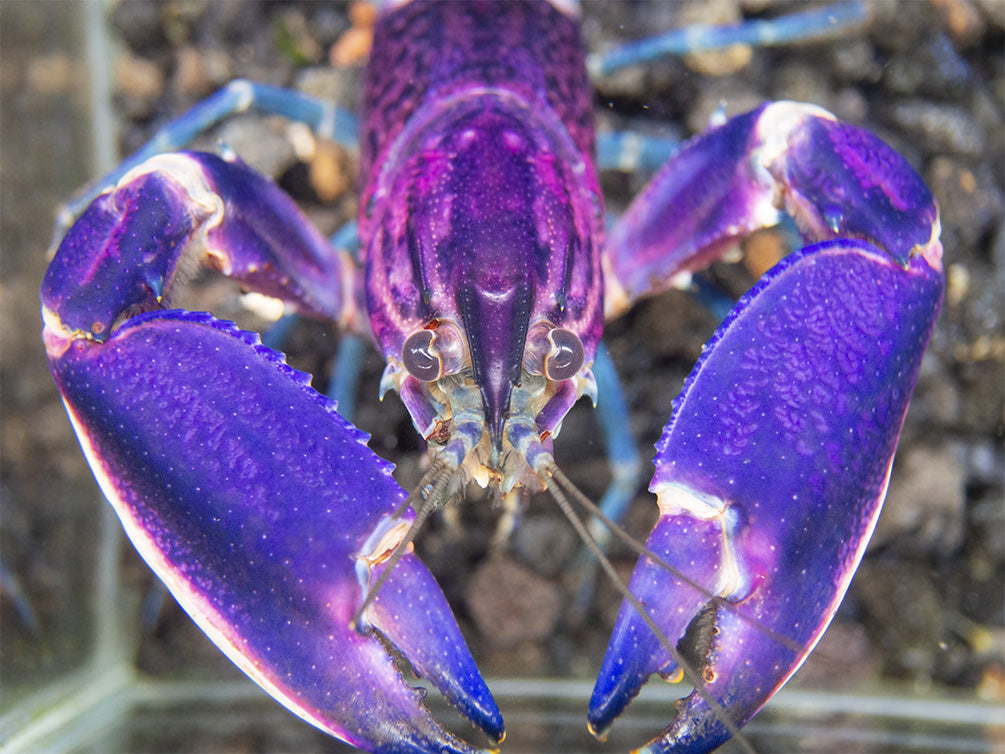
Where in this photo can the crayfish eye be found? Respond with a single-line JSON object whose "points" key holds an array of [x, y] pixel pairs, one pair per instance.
{"points": [[419, 359], [566, 355]]}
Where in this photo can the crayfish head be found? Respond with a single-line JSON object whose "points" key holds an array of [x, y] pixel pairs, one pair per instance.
{"points": [[481, 423], [481, 248]]}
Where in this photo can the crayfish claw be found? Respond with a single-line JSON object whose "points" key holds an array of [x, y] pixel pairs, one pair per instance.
{"points": [[204, 485], [770, 476]]}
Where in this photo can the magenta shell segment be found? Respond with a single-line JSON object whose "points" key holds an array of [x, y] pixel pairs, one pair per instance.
{"points": [[250, 497], [97, 273], [432, 51], [680, 221], [790, 419]]}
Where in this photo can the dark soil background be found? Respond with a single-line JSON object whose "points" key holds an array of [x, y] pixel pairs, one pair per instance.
{"points": [[924, 613]]}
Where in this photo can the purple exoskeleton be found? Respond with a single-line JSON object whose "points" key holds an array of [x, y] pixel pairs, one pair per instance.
{"points": [[484, 279], [482, 227]]}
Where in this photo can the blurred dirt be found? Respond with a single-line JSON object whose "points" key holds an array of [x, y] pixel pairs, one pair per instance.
{"points": [[926, 607]]}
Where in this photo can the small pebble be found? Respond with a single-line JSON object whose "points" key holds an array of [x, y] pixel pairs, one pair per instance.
{"points": [[545, 543], [963, 20], [200, 72], [261, 143], [511, 604]]}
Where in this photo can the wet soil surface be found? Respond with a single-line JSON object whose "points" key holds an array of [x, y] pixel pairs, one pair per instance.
{"points": [[926, 606]]}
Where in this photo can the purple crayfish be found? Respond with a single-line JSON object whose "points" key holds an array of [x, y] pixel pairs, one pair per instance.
{"points": [[485, 277]]}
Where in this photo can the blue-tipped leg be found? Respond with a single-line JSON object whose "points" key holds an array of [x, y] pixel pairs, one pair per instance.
{"points": [[629, 152], [325, 118], [813, 24]]}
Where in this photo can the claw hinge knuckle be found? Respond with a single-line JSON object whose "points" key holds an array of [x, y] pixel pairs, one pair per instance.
{"points": [[839, 180], [122, 255]]}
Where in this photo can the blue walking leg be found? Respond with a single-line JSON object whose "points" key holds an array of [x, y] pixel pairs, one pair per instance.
{"points": [[344, 384], [626, 471], [628, 152], [804, 26], [619, 445], [347, 237], [276, 335], [327, 120], [711, 296]]}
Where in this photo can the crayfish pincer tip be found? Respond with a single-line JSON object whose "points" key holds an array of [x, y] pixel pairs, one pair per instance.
{"points": [[684, 738], [598, 733]]}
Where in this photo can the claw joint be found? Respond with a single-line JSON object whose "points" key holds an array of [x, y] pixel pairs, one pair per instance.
{"points": [[378, 549], [382, 542], [677, 499]]}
